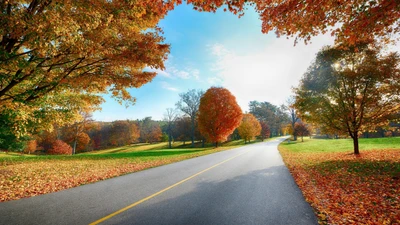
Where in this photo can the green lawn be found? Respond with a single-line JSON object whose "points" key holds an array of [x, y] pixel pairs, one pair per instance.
{"points": [[142, 151], [341, 145]]}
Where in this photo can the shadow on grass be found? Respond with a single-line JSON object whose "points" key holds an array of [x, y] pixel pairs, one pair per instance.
{"points": [[138, 154], [360, 167]]}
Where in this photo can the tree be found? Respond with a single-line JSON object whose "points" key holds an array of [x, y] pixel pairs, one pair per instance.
{"points": [[9, 141], [189, 104], [150, 130], [350, 90], [76, 131], [249, 127], [170, 117], [30, 147], [349, 21], [123, 132], [60, 148], [272, 115], [219, 114], [292, 114], [55, 55], [301, 129], [265, 132], [183, 130]]}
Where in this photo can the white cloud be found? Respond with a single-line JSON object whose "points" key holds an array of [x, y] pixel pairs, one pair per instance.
{"points": [[265, 75], [167, 86], [214, 80]]}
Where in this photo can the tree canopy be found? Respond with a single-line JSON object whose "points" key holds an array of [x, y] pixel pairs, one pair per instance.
{"points": [[249, 127], [219, 114], [350, 21], [350, 90], [56, 56]]}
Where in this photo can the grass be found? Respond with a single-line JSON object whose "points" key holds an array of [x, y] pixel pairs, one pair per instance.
{"points": [[344, 188], [341, 145], [29, 175]]}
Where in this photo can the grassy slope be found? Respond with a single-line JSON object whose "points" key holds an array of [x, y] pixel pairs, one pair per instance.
{"points": [[344, 188]]}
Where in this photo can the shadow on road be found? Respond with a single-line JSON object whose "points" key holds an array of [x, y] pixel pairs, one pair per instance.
{"points": [[260, 197]]}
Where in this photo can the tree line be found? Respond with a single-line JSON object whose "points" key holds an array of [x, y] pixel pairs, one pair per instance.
{"points": [[198, 117]]}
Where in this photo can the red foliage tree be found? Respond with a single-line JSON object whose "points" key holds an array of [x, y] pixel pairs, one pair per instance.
{"points": [[219, 114], [265, 131], [301, 129], [60, 148]]}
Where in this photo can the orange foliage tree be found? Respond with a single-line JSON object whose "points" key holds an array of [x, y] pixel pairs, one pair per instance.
{"points": [[219, 114], [62, 54], [349, 21], [124, 132], [60, 148], [30, 146], [249, 127]]}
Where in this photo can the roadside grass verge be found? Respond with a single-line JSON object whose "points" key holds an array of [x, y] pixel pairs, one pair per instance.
{"points": [[24, 176], [344, 188]]}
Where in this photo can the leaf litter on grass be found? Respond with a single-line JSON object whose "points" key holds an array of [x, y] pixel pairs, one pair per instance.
{"points": [[349, 189]]}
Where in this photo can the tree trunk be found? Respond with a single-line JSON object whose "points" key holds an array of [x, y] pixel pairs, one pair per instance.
{"points": [[169, 140], [216, 144], [302, 139], [355, 143], [202, 143], [74, 149], [192, 134]]}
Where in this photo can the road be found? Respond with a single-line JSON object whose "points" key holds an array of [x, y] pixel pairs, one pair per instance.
{"points": [[246, 185]]}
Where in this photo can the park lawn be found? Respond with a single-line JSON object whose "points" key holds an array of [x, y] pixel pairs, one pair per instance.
{"points": [[344, 188], [24, 176]]}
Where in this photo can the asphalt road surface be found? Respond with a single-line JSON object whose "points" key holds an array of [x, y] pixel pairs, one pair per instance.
{"points": [[247, 185]]}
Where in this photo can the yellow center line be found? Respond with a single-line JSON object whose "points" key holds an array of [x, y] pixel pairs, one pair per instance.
{"points": [[160, 192]]}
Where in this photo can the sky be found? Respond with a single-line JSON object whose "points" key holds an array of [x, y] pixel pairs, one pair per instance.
{"points": [[219, 49]]}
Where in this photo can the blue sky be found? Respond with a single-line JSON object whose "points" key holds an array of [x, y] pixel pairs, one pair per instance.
{"points": [[218, 49]]}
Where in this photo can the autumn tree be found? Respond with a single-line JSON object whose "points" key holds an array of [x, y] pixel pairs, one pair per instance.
{"points": [[60, 148], [123, 132], [219, 114], [57, 56], [301, 129], [265, 132], [170, 117], [291, 110], [183, 129], [249, 127], [76, 131], [30, 147], [189, 104], [150, 130], [349, 21], [350, 90]]}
